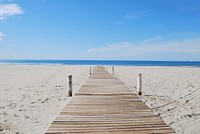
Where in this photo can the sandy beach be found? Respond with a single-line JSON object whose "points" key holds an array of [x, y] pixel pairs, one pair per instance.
{"points": [[171, 92], [33, 95]]}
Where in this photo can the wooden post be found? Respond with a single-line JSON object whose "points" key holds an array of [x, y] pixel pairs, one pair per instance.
{"points": [[70, 85], [113, 70], [139, 84], [90, 70]]}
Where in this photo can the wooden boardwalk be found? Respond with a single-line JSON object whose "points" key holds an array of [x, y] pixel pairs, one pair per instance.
{"points": [[104, 105]]}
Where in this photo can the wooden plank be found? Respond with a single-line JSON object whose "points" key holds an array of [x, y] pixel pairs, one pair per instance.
{"points": [[105, 105]]}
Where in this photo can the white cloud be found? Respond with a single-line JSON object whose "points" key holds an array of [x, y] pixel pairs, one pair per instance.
{"points": [[7, 10], [120, 46], [136, 15], [112, 47], [154, 46], [6, 0], [155, 39], [2, 36], [132, 16]]}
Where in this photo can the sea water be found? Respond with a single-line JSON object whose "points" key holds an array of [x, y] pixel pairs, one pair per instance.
{"points": [[105, 62]]}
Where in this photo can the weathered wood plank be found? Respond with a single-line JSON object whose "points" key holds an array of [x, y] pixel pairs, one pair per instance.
{"points": [[104, 105]]}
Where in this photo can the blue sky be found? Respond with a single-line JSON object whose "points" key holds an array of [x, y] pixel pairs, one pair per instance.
{"points": [[100, 29]]}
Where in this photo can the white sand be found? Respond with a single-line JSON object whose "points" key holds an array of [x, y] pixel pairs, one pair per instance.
{"points": [[31, 96], [172, 92]]}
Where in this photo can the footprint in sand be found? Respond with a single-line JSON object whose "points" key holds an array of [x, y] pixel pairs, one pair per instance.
{"points": [[24, 96], [15, 115], [2, 107], [26, 117], [33, 102], [22, 110], [45, 100], [12, 105], [1, 127]]}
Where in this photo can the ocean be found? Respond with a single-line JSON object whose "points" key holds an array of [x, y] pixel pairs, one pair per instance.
{"points": [[105, 62]]}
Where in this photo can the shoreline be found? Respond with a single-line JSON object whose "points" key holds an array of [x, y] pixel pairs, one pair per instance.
{"points": [[43, 64], [104, 62]]}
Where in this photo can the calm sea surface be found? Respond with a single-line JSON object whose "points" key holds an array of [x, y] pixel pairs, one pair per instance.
{"points": [[105, 62]]}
